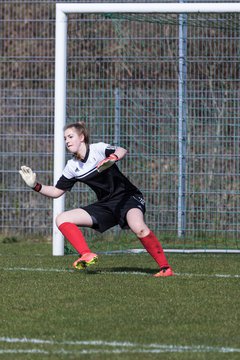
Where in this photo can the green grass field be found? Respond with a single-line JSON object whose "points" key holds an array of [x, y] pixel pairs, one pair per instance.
{"points": [[118, 310]]}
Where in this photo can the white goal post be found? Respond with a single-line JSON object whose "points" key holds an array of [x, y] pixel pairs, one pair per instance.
{"points": [[62, 11]]}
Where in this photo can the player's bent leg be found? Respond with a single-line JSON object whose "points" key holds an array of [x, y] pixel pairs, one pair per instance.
{"points": [[136, 222], [67, 223], [149, 241], [78, 217]]}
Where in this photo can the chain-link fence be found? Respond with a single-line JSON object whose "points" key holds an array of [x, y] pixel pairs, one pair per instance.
{"points": [[123, 80]]}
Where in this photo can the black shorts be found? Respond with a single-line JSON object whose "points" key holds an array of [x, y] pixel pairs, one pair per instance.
{"points": [[113, 212]]}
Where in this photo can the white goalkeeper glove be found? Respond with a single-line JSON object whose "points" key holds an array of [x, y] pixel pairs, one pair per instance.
{"points": [[28, 176], [106, 163]]}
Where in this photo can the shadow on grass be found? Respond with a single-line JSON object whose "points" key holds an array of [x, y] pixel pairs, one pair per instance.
{"points": [[121, 270]]}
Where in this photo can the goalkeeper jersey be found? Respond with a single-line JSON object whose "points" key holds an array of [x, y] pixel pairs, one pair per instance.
{"points": [[108, 184]]}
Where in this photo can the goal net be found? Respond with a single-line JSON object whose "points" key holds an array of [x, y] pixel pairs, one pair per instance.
{"points": [[161, 80]]}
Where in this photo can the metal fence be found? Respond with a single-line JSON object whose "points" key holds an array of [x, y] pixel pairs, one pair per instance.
{"points": [[123, 80]]}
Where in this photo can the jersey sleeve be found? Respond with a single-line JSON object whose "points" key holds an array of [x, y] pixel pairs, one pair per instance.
{"points": [[67, 180], [110, 150], [64, 183], [105, 149]]}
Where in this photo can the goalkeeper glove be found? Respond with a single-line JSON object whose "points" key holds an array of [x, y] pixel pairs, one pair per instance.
{"points": [[30, 178], [106, 163]]}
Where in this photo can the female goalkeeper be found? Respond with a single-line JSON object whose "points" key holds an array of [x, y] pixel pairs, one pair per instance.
{"points": [[118, 200]]}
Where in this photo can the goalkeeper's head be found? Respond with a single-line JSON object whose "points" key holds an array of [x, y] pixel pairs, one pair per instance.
{"points": [[81, 129]]}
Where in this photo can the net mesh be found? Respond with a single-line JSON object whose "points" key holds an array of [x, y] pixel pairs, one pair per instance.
{"points": [[123, 80]]}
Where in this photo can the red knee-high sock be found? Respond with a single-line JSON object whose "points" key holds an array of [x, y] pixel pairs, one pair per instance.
{"points": [[154, 248], [75, 237]]}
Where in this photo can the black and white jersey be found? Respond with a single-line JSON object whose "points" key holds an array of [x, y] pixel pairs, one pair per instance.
{"points": [[108, 184]]}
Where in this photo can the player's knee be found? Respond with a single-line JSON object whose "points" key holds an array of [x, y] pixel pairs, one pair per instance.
{"points": [[59, 219], [142, 232]]}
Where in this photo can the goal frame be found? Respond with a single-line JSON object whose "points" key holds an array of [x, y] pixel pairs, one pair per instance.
{"points": [[62, 11]]}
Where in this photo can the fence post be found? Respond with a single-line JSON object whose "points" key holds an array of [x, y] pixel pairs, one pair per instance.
{"points": [[182, 125], [117, 124], [117, 117]]}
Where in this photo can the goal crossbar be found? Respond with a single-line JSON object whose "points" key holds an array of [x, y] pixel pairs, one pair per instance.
{"points": [[67, 8], [62, 11]]}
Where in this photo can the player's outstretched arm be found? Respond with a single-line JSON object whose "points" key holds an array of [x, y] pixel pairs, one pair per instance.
{"points": [[30, 179], [111, 159]]}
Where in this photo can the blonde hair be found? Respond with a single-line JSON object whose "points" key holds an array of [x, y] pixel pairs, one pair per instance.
{"points": [[81, 129]]}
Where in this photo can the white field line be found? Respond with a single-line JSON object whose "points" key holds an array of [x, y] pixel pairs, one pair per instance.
{"points": [[105, 347], [105, 272]]}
